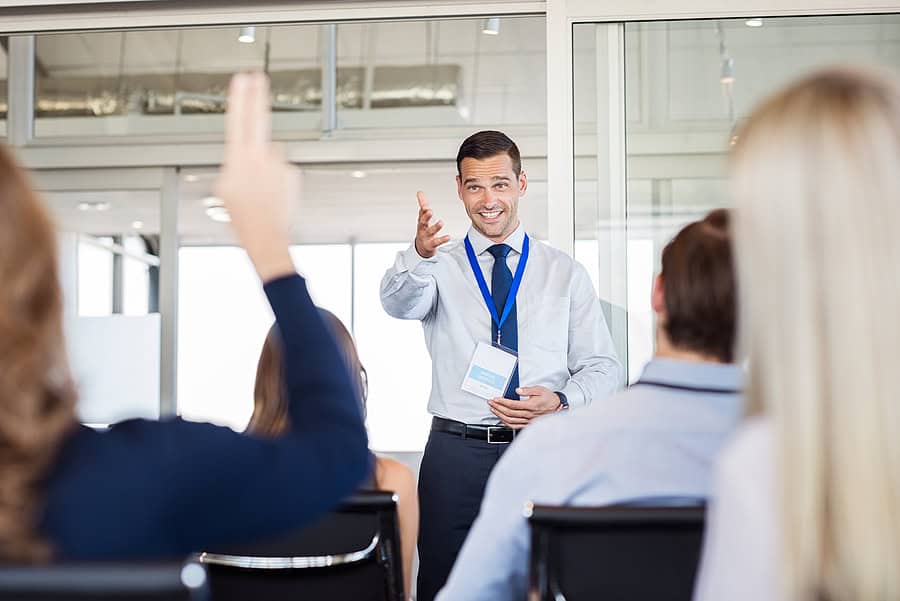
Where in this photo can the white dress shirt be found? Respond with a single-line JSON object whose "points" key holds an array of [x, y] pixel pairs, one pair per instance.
{"points": [[564, 343], [740, 551], [647, 442]]}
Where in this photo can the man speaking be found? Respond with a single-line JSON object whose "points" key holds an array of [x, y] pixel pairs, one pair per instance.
{"points": [[514, 330]]}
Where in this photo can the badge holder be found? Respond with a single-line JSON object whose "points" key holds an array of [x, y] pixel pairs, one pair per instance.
{"points": [[490, 370]]}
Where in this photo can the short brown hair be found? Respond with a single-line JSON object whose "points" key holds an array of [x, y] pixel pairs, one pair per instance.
{"points": [[487, 144], [699, 286]]}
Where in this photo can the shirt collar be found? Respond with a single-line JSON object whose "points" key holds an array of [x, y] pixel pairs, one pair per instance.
{"points": [[727, 377], [480, 243]]}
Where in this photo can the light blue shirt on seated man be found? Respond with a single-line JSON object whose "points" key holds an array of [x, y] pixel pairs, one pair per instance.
{"points": [[657, 438]]}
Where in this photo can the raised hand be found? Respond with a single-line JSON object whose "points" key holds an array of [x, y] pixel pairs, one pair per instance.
{"points": [[427, 239], [256, 184]]}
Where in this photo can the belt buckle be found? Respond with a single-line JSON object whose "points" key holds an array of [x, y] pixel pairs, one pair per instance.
{"points": [[498, 429]]}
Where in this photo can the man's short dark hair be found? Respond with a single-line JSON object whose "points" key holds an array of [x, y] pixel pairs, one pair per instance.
{"points": [[699, 286], [486, 144]]}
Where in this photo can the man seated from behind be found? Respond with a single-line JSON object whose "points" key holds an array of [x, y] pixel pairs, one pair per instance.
{"points": [[656, 439]]}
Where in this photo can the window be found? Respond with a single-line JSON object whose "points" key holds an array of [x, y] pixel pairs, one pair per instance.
{"points": [[224, 318], [687, 87], [109, 270]]}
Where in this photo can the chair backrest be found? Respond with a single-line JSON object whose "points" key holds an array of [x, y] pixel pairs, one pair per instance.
{"points": [[352, 553], [104, 582], [620, 553]]}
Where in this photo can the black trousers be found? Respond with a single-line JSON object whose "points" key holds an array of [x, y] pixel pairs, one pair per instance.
{"points": [[452, 479]]}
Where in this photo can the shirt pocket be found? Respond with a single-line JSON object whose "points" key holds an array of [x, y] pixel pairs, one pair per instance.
{"points": [[548, 323]]}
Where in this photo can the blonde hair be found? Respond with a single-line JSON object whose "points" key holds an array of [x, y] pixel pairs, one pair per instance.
{"points": [[37, 397], [816, 177]]}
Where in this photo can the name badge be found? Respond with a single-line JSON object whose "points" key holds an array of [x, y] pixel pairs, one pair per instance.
{"points": [[489, 371]]}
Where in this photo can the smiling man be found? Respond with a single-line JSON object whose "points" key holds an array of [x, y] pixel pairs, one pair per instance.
{"points": [[514, 329]]}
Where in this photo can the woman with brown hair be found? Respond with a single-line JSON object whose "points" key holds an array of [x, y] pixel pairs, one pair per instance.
{"points": [[270, 418], [162, 489]]}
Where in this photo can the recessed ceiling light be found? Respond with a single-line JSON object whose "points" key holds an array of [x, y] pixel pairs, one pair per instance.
{"points": [[215, 209], [491, 26], [357, 174], [755, 22], [219, 214], [138, 225], [94, 206], [247, 35]]}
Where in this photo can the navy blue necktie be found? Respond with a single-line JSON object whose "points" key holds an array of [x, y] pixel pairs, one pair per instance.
{"points": [[501, 282]]}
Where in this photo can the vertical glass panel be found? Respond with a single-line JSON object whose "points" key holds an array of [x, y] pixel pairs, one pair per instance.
{"points": [[701, 80], [109, 266], [688, 85], [459, 72], [223, 318], [394, 353], [599, 225], [95, 277]]}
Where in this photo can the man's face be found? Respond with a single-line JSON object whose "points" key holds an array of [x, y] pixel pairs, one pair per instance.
{"points": [[490, 191]]}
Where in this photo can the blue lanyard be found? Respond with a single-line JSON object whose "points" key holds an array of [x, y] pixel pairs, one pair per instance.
{"points": [[486, 294]]}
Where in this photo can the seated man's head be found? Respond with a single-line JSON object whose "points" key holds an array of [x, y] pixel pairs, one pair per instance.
{"points": [[694, 294]]}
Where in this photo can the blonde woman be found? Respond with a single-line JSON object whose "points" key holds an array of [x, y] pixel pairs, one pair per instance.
{"points": [[270, 418], [808, 496]]}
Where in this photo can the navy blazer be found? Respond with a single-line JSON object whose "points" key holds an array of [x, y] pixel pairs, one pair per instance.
{"points": [[147, 489]]}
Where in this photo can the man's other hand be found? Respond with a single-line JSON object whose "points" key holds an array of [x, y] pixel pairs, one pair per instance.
{"points": [[518, 414]]}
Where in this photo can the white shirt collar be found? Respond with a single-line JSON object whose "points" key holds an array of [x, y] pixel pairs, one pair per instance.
{"points": [[480, 243]]}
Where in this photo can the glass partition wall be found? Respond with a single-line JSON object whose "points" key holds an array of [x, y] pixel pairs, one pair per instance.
{"points": [[412, 75], [109, 248], [412, 89], [687, 87], [371, 112]]}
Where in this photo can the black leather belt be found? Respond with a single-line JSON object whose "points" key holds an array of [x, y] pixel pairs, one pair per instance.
{"points": [[492, 434]]}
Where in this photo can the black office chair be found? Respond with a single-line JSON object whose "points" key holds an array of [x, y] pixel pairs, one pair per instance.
{"points": [[104, 582], [353, 553], [620, 553]]}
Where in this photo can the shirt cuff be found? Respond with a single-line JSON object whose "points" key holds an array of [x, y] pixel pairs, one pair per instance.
{"points": [[412, 258], [574, 394]]}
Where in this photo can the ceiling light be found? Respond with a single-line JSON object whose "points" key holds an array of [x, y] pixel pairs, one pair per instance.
{"points": [[138, 225], [190, 178], [215, 209], [247, 35], [357, 174], [755, 22], [491, 26], [94, 206], [219, 214]]}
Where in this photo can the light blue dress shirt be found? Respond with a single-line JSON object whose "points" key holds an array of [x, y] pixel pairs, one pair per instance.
{"points": [[564, 343], [651, 440]]}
